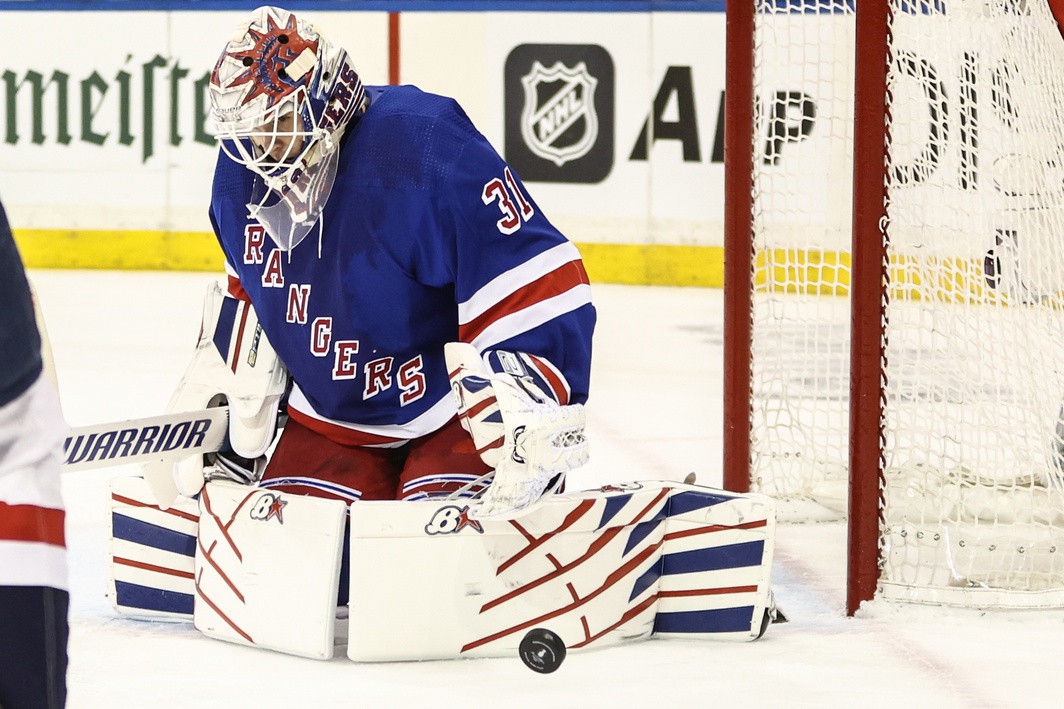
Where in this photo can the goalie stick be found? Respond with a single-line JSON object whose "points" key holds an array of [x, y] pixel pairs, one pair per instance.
{"points": [[167, 437]]}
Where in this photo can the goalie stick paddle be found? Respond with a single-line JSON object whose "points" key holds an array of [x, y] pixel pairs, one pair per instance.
{"points": [[167, 437]]}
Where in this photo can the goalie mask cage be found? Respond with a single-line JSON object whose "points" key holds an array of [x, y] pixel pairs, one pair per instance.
{"points": [[940, 248]]}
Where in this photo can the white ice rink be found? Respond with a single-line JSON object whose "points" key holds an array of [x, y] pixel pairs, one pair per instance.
{"points": [[121, 342]]}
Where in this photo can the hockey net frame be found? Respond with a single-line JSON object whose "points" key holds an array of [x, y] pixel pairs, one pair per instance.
{"points": [[872, 270]]}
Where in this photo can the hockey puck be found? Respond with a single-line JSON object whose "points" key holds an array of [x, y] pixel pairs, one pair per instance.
{"points": [[541, 650]]}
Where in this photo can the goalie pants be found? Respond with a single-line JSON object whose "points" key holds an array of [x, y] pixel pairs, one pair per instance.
{"points": [[307, 463]]}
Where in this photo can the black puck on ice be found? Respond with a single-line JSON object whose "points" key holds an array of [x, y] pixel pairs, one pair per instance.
{"points": [[542, 650]]}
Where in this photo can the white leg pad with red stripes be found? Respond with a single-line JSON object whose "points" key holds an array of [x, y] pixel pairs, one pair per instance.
{"points": [[596, 568], [268, 567], [622, 563]]}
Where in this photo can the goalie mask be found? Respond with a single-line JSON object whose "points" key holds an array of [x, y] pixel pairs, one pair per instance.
{"points": [[281, 97]]}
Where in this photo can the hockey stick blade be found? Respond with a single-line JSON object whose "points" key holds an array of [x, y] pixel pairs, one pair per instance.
{"points": [[167, 437]]}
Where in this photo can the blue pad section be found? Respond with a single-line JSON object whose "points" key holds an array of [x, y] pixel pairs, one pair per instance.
{"points": [[730, 556], [612, 507], [223, 329], [343, 593], [152, 535], [648, 579], [640, 532], [131, 595], [691, 500], [723, 620]]}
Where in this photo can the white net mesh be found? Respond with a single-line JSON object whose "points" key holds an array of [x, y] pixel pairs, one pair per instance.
{"points": [[974, 363], [803, 164]]}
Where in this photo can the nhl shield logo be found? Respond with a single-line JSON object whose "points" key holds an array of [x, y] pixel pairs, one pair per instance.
{"points": [[559, 112], [559, 122]]}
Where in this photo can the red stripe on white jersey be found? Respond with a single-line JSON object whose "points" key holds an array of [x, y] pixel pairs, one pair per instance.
{"points": [[30, 523]]}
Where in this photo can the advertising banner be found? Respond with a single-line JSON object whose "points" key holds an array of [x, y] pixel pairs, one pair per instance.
{"points": [[612, 118]]}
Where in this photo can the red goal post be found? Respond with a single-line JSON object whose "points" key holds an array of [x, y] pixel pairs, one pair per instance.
{"points": [[894, 321]]}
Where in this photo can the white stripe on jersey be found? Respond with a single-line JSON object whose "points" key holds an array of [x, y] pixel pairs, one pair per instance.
{"points": [[515, 279], [533, 316], [32, 564], [32, 430], [433, 419]]}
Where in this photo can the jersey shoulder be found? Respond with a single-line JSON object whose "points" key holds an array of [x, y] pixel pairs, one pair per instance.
{"points": [[389, 102], [410, 138]]}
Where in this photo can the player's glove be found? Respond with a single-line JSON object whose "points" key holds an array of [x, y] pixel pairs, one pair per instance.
{"points": [[235, 365], [525, 435]]}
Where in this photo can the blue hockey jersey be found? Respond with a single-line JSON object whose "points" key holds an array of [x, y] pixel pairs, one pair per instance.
{"points": [[428, 237]]}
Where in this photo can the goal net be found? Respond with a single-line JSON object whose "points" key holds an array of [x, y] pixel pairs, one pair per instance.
{"points": [[895, 287]]}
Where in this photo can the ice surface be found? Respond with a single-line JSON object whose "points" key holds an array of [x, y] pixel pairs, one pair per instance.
{"points": [[122, 341]]}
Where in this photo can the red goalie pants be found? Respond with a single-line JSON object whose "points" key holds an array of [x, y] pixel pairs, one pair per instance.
{"points": [[307, 463]]}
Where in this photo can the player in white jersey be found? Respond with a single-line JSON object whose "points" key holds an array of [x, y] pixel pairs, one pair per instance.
{"points": [[33, 573]]}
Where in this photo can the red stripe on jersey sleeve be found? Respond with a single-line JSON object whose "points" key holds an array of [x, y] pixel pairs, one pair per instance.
{"points": [[560, 280], [30, 523], [236, 289]]}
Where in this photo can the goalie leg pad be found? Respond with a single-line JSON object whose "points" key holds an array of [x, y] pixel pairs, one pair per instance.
{"points": [[474, 588], [152, 553], [716, 565], [267, 569], [596, 568]]}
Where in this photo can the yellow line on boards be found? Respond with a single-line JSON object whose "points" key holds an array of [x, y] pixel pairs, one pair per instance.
{"points": [[657, 264], [799, 271], [654, 264], [119, 250]]}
